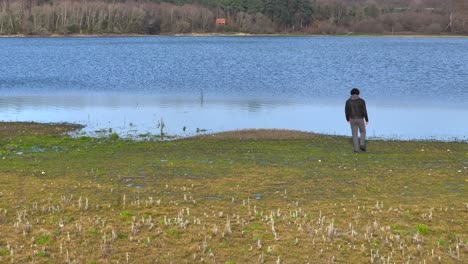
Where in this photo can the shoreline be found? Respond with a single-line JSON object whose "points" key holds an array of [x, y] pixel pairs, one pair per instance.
{"points": [[10, 129], [240, 34]]}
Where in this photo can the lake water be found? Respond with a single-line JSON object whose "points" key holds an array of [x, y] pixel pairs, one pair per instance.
{"points": [[415, 88]]}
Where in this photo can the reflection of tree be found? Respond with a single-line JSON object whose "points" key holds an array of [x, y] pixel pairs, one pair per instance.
{"points": [[12, 103], [254, 106]]}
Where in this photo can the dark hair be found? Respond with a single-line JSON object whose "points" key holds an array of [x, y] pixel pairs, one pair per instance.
{"points": [[354, 91]]}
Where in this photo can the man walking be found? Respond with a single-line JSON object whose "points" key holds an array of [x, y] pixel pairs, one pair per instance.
{"points": [[356, 113]]}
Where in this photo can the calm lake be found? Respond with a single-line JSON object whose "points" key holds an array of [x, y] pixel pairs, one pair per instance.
{"points": [[415, 88]]}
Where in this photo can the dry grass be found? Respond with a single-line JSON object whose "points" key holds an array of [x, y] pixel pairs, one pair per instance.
{"points": [[261, 134], [228, 201], [12, 129]]}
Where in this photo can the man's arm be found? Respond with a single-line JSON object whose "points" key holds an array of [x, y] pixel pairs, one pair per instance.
{"points": [[365, 111], [347, 110]]}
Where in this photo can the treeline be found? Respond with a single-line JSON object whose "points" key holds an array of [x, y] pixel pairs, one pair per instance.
{"points": [[43, 17]]}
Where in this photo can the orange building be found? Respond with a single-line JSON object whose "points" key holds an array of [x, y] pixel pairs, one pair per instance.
{"points": [[220, 21]]}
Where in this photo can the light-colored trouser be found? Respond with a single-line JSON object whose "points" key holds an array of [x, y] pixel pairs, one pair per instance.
{"points": [[358, 124]]}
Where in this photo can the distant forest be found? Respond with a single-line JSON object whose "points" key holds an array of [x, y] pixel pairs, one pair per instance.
{"points": [[154, 17]]}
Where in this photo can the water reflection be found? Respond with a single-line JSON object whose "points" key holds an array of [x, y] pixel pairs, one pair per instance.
{"points": [[415, 87], [184, 116]]}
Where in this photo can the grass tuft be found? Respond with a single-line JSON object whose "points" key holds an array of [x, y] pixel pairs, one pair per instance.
{"points": [[422, 229]]}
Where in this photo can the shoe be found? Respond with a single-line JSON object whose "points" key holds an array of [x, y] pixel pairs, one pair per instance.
{"points": [[363, 148]]}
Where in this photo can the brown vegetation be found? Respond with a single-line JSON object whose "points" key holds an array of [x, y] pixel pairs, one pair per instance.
{"points": [[10, 129], [103, 200], [44, 17], [260, 134]]}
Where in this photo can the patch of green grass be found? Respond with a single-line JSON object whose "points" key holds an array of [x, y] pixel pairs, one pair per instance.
{"points": [[256, 226], [125, 215], [93, 232], [122, 235], [256, 237], [42, 239], [223, 244], [4, 252], [83, 139], [53, 219], [42, 254], [422, 229], [172, 232], [114, 136], [441, 242]]}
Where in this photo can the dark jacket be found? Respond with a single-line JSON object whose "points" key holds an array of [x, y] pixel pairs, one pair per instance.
{"points": [[355, 108]]}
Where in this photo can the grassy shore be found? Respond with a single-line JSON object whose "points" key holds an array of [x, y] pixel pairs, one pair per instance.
{"points": [[240, 197]]}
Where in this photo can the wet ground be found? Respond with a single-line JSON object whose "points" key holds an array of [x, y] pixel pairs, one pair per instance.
{"points": [[10, 129]]}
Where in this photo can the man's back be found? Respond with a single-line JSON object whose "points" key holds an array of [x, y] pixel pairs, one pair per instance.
{"points": [[356, 108]]}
